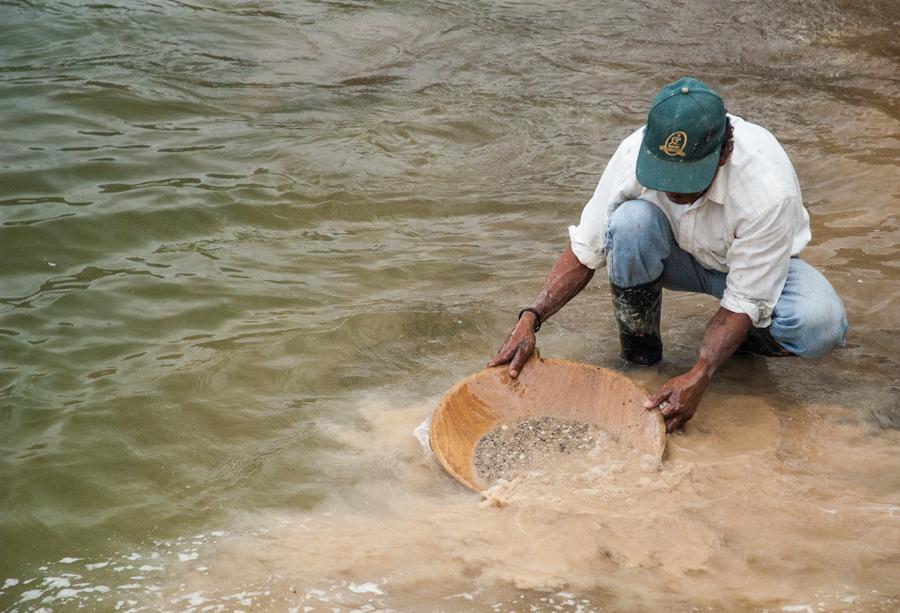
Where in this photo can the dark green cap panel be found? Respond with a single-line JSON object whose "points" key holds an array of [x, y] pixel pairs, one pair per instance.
{"points": [[683, 137]]}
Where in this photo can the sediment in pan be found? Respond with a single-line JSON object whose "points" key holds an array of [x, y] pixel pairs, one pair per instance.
{"points": [[512, 449]]}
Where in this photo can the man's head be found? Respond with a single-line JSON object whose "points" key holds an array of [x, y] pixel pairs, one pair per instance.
{"points": [[685, 140]]}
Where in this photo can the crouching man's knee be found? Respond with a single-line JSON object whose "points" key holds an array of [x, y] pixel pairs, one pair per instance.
{"points": [[814, 331], [637, 241]]}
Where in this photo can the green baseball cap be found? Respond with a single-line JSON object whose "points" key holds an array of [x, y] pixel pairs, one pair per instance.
{"points": [[682, 139]]}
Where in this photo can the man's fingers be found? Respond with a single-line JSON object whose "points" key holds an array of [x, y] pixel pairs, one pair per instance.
{"points": [[500, 358], [523, 352], [677, 422], [657, 398], [669, 407], [673, 423], [504, 355]]}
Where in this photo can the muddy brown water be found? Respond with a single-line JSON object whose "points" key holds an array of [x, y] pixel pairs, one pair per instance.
{"points": [[246, 246]]}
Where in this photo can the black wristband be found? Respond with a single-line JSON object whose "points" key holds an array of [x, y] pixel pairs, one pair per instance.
{"points": [[537, 316]]}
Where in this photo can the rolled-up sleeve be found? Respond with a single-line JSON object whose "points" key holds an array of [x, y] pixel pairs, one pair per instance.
{"points": [[588, 238], [618, 184], [758, 262]]}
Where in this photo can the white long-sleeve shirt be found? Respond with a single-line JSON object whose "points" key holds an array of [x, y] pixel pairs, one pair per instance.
{"points": [[748, 224]]}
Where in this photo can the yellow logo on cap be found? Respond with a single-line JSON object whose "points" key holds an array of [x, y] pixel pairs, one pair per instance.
{"points": [[675, 144]]}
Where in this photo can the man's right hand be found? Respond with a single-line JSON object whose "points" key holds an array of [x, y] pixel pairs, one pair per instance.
{"points": [[567, 277], [519, 345]]}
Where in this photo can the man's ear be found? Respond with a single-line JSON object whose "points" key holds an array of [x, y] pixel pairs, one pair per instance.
{"points": [[723, 158]]}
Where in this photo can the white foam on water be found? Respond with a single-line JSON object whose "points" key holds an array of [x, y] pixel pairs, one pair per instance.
{"points": [[365, 588], [97, 565], [194, 599], [51, 583], [30, 595]]}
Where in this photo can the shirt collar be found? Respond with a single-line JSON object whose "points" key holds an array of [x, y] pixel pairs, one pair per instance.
{"points": [[719, 187]]}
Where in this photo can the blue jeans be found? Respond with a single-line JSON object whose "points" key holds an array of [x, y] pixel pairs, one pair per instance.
{"points": [[809, 318]]}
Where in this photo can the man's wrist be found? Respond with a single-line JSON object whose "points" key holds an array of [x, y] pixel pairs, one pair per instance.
{"points": [[703, 367], [535, 317]]}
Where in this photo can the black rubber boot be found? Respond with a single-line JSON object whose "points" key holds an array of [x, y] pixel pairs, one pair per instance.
{"points": [[760, 342], [637, 312]]}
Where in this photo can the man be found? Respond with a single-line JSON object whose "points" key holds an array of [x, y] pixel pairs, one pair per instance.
{"points": [[700, 201]]}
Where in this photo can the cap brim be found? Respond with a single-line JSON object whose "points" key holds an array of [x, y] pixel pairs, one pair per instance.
{"points": [[676, 177]]}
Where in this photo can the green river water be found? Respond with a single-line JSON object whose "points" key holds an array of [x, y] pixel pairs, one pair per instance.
{"points": [[245, 246]]}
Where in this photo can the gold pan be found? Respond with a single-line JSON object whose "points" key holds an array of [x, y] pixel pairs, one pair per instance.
{"points": [[545, 387]]}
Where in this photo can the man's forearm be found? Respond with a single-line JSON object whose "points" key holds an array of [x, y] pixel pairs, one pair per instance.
{"points": [[567, 277], [724, 334], [679, 398]]}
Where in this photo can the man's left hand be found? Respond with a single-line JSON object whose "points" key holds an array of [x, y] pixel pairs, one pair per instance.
{"points": [[679, 397]]}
